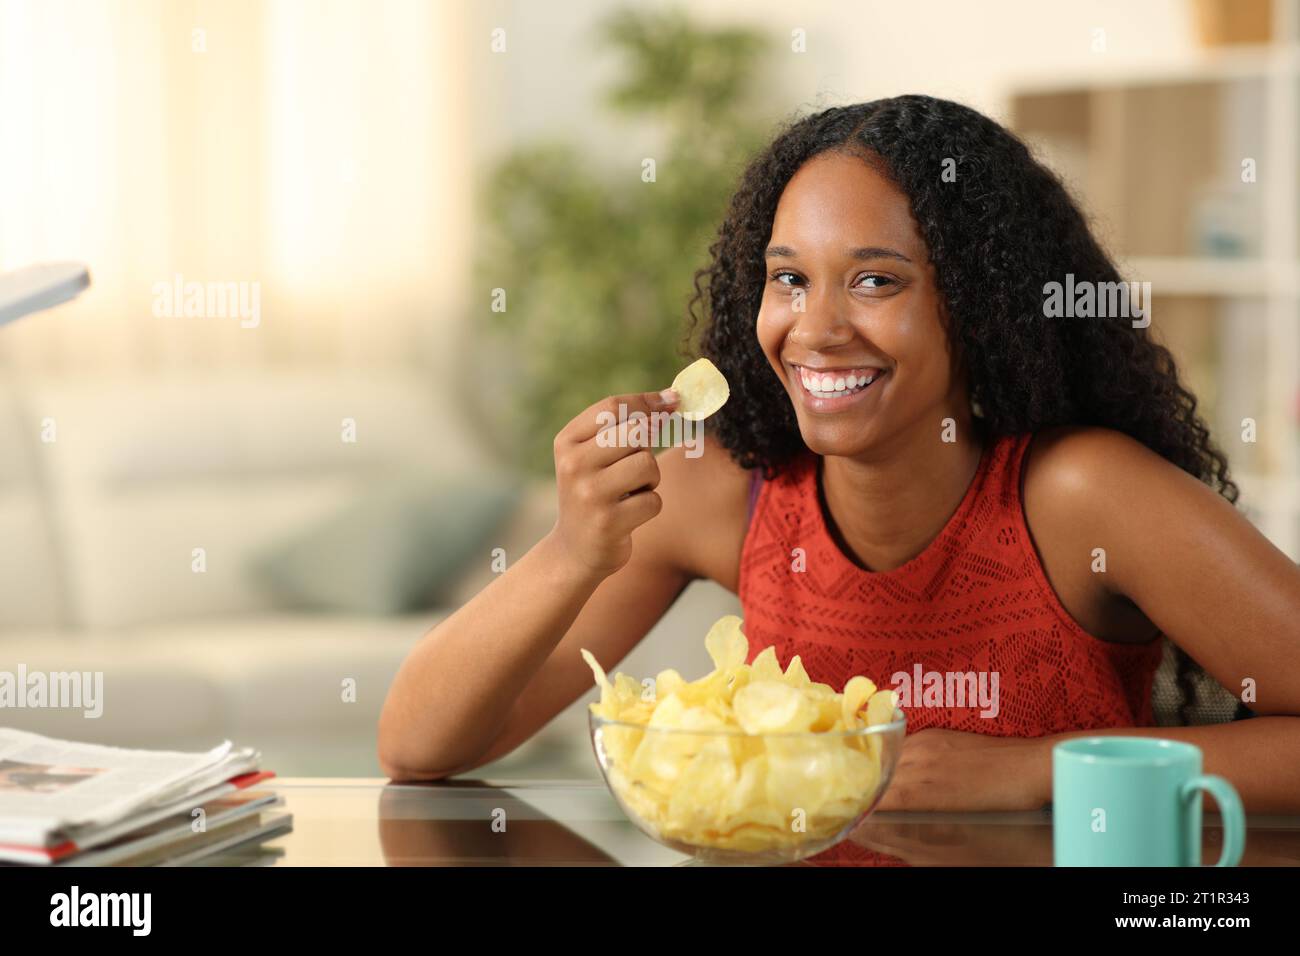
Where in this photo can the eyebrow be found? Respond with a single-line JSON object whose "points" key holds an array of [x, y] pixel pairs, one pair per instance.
{"points": [[863, 252]]}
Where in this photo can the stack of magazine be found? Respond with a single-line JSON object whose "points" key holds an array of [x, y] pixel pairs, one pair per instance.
{"points": [[72, 804]]}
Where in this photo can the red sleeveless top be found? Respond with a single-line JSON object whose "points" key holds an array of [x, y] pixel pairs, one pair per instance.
{"points": [[975, 600]]}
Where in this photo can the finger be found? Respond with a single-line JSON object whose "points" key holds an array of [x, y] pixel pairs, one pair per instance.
{"points": [[637, 509], [609, 411], [621, 440], [638, 471]]}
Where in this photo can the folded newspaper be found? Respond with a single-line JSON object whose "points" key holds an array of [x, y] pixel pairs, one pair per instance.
{"points": [[58, 797]]}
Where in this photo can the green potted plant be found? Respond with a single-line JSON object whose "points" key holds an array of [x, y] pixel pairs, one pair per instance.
{"points": [[597, 264]]}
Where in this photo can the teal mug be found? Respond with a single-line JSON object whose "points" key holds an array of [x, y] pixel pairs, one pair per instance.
{"points": [[1136, 801]]}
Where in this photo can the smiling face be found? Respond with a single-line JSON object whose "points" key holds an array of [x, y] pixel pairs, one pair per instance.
{"points": [[864, 356]]}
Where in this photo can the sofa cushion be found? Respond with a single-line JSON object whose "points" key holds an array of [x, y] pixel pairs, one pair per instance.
{"points": [[197, 684], [32, 582], [151, 696], [31, 593], [142, 473], [396, 546]]}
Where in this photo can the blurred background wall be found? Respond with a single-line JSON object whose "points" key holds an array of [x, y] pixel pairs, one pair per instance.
{"points": [[318, 149], [245, 520]]}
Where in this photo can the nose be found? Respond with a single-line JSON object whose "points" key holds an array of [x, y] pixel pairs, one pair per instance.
{"points": [[820, 326]]}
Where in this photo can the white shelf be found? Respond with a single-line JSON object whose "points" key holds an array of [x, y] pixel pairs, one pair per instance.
{"points": [[1274, 503], [1271, 280], [1222, 65], [1208, 276], [1269, 493]]}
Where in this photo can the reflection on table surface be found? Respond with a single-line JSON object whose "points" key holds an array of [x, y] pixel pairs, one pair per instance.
{"points": [[370, 822]]}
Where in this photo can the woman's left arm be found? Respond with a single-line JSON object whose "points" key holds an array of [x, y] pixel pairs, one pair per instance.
{"points": [[1199, 571], [954, 770]]}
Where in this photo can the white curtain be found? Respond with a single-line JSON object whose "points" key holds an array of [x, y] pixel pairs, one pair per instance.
{"points": [[315, 148]]}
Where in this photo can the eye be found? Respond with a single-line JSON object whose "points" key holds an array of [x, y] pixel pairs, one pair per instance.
{"points": [[782, 273], [877, 285], [880, 282]]}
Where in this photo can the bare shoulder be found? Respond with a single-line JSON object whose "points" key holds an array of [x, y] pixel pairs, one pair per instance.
{"points": [[1089, 491], [705, 510], [1089, 488], [1178, 557], [1096, 469]]}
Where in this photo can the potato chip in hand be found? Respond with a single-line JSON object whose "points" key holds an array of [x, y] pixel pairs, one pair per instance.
{"points": [[701, 390]]}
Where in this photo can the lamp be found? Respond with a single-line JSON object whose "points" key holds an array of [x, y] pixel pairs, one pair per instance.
{"points": [[39, 287]]}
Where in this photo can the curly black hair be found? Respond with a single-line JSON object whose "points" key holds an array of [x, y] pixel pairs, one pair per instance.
{"points": [[997, 231]]}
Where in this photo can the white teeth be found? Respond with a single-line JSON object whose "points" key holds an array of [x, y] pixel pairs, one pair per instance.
{"points": [[827, 386]]}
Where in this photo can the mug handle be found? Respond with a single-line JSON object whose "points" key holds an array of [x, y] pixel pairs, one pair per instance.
{"points": [[1234, 817]]}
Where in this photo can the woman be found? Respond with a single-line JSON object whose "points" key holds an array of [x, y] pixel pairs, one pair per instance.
{"points": [[922, 469]]}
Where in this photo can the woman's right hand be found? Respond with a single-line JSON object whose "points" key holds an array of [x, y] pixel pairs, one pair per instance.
{"points": [[606, 473]]}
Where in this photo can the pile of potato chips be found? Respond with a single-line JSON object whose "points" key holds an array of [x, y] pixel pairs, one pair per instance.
{"points": [[748, 758]]}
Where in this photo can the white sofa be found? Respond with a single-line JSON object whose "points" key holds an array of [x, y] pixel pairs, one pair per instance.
{"points": [[106, 489]]}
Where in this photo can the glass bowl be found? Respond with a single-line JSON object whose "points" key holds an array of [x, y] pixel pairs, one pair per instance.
{"points": [[724, 796]]}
